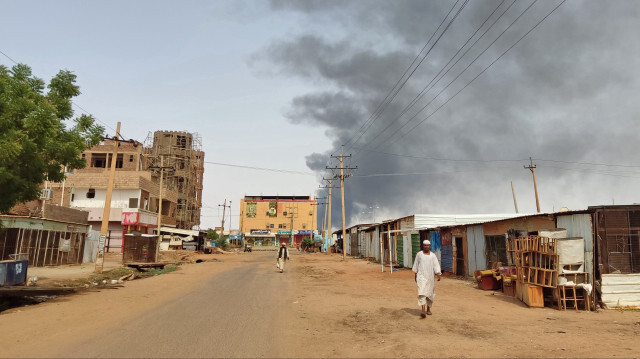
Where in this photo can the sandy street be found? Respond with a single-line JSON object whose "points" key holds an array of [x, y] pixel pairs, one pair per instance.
{"points": [[321, 306]]}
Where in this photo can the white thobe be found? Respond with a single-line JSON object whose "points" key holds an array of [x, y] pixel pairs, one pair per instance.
{"points": [[426, 266]]}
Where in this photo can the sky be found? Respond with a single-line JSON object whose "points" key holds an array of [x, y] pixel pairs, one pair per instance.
{"points": [[439, 104]]}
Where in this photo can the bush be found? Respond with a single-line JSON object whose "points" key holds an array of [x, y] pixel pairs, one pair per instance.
{"points": [[222, 243]]}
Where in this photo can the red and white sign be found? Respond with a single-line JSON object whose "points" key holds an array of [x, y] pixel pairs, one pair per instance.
{"points": [[130, 218]]}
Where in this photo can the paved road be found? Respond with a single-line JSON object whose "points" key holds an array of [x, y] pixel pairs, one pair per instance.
{"points": [[232, 314]]}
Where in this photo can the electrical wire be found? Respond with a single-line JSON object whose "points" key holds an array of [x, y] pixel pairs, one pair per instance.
{"points": [[586, 163], [431, 83], [448, 159], [481, 72], [386, 100], [262, 168]]}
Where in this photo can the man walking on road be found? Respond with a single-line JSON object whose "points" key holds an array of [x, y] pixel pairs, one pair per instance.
{"points": [[427, 268], [283, 255]]}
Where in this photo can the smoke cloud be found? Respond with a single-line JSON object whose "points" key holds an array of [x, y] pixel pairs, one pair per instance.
{"points": [[565, 95]]}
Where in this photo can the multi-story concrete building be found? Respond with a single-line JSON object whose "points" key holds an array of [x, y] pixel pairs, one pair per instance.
{"points": [[270, 220], [183, 162], [135, 197]]}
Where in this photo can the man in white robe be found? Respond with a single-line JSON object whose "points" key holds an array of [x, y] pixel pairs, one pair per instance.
{"points": [[283, 255], [426, 268]]}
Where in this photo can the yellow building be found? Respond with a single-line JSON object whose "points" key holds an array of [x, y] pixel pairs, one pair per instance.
{"points": [[270, 220]]}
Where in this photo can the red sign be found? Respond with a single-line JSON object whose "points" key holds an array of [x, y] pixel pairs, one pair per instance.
{"points": [[130, 218]]}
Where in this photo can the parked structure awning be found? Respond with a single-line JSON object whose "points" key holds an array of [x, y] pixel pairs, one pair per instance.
{"points": [[184, 232]]}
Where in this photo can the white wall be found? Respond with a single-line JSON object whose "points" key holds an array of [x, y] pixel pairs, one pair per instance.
{"points": [[119, 198]]}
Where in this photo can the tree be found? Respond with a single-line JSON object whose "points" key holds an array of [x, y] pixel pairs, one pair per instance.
{"points": [[211, 234], [219, 240], [307, 243], [35, 143]]}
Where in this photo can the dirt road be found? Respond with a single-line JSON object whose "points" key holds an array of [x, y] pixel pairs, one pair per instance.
{"points": [[320, 307]]}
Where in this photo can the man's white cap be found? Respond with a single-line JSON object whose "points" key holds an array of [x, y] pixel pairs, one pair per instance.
{"points": [[426, 241]]}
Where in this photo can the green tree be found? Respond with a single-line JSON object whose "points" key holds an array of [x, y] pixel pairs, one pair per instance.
{"points": [[211, 234], [307, 243], [35, 143]]}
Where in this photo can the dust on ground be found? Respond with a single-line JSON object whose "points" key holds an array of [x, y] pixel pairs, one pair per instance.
{"points": [[350, 308]]}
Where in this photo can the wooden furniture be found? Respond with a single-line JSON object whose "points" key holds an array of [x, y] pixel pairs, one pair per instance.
{"points": [[569, 295]]}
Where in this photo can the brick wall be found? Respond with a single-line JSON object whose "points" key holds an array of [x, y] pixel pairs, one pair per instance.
{"points": [[65, 214]]}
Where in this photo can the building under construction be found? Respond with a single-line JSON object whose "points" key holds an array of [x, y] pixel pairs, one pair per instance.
{"points": [[178, 158]]}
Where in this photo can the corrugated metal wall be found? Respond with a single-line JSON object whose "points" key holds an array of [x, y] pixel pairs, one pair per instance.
{"points": [[447, 253], [579, 225], [475, 246], [436, 244], [408, 258]]}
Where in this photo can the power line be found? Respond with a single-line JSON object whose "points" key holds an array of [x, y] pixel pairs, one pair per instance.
{"points": [[445, 159], [587, 163], [485, 69], [262, 168], [431, 83], [393, 90]]}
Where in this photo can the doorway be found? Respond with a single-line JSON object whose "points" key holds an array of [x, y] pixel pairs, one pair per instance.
{"points": [[459, 256]]}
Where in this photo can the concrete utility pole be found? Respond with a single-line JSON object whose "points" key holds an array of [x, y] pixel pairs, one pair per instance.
{"points": [[293, 211], [328, 209], [162, 167], [107, 204], [513, 192], [342, 176], [532, 168], [315, 220], [330, 237], [224, 207]]}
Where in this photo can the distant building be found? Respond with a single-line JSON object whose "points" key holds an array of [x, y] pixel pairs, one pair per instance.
{"points": [[270, 220]]}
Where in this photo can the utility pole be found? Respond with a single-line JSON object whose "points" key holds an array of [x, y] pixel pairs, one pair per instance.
{"points": [[162, 167], [342, 176], [107, 204], [513, 192], [293, 211], [315, 220], [224, 207], [229, 218], [532, 168], [328, 227]]}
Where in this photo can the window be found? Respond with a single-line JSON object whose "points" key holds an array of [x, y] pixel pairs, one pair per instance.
{"points": [[91, 193], [119, 161], [133, 203], [280, 225], [99, 160], [284, 213], [181, 141], [130, 158], [495, 249], [271, 226]]}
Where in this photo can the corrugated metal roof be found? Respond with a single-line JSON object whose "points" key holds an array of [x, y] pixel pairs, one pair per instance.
{"points": [[185, 232], [427, 221]]}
